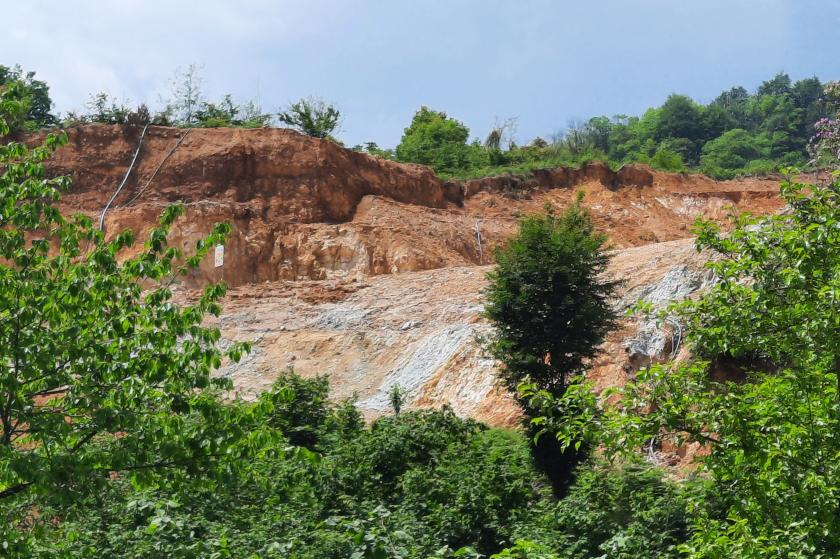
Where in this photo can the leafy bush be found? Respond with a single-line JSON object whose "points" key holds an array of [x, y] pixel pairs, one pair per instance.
{"points": [[299, 407], [227, 113], [417, 485], [667, 160], [435, 140], [104, 109], [312, 116], [622, 514]]}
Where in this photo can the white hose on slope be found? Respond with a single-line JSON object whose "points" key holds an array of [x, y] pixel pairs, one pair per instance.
{"points": [[125, 179]]}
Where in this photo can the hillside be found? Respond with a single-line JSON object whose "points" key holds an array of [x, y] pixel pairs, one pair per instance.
{"points": [[371, 270]]}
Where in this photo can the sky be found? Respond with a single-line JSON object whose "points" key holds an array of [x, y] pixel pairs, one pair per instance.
{"points": [[545, 63]]}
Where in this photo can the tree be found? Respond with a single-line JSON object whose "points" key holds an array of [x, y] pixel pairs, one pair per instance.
{"points": [[732, 98], [101, 372], [577, 139], [549, 302], [680, 117], [733, 102], [772, 425], [778, 85], [435, 140], [186, 96], [299, 407], [36, 91], [725, 156], [667, 159], [716, 121], [312, 116]]}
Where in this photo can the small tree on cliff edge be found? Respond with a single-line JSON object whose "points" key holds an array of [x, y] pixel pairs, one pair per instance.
{"points": [[549, 302], [312, 116]]}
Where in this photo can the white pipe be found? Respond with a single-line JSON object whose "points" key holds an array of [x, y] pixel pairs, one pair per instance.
{"points": [[125, 179]]}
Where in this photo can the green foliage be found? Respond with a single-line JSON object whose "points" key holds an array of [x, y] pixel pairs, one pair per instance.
{"points": [[413, 486], [35, 94], [548, 300], [679, 117], [299, 407], [188, 110], [312, 116], [524, 549], [102, 373], [675, 137], [779, 84], [397, 398], [419, 485], [667, 160], [228, 113], [622, 513], [435, 140], [732, 152], [772, 429], [103, 109], [372, 148], [186, 97], [572, 417]]}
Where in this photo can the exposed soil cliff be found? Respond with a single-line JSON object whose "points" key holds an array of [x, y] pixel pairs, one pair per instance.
{"points": [[371, 270], [304, 208]]}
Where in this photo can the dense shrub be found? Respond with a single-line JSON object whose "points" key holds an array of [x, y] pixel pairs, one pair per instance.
{"points": [[417, 485], [312, 116], [435, 140]]}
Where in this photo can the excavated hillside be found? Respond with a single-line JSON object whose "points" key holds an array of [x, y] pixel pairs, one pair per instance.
{"points": [[371, 270]]}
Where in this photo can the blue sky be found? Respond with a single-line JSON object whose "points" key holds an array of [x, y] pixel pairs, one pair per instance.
{"points": [[544, 62]]}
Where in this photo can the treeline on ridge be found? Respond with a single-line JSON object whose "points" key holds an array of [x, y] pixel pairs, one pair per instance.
{"points": [[738, 133]]}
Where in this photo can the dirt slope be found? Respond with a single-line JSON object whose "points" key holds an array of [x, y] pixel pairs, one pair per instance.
{"points": [[371, 270], [304, 208], [419, 330]]}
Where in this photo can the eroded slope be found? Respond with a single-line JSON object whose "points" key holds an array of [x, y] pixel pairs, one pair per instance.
{"points": [[304, 208], [371, 271]]}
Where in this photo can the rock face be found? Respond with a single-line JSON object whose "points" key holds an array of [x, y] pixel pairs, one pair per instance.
{"points": [[370, 270], [422, 330]]}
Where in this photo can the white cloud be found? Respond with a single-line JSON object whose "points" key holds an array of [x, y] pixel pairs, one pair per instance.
{"points": [[544, 61]]}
